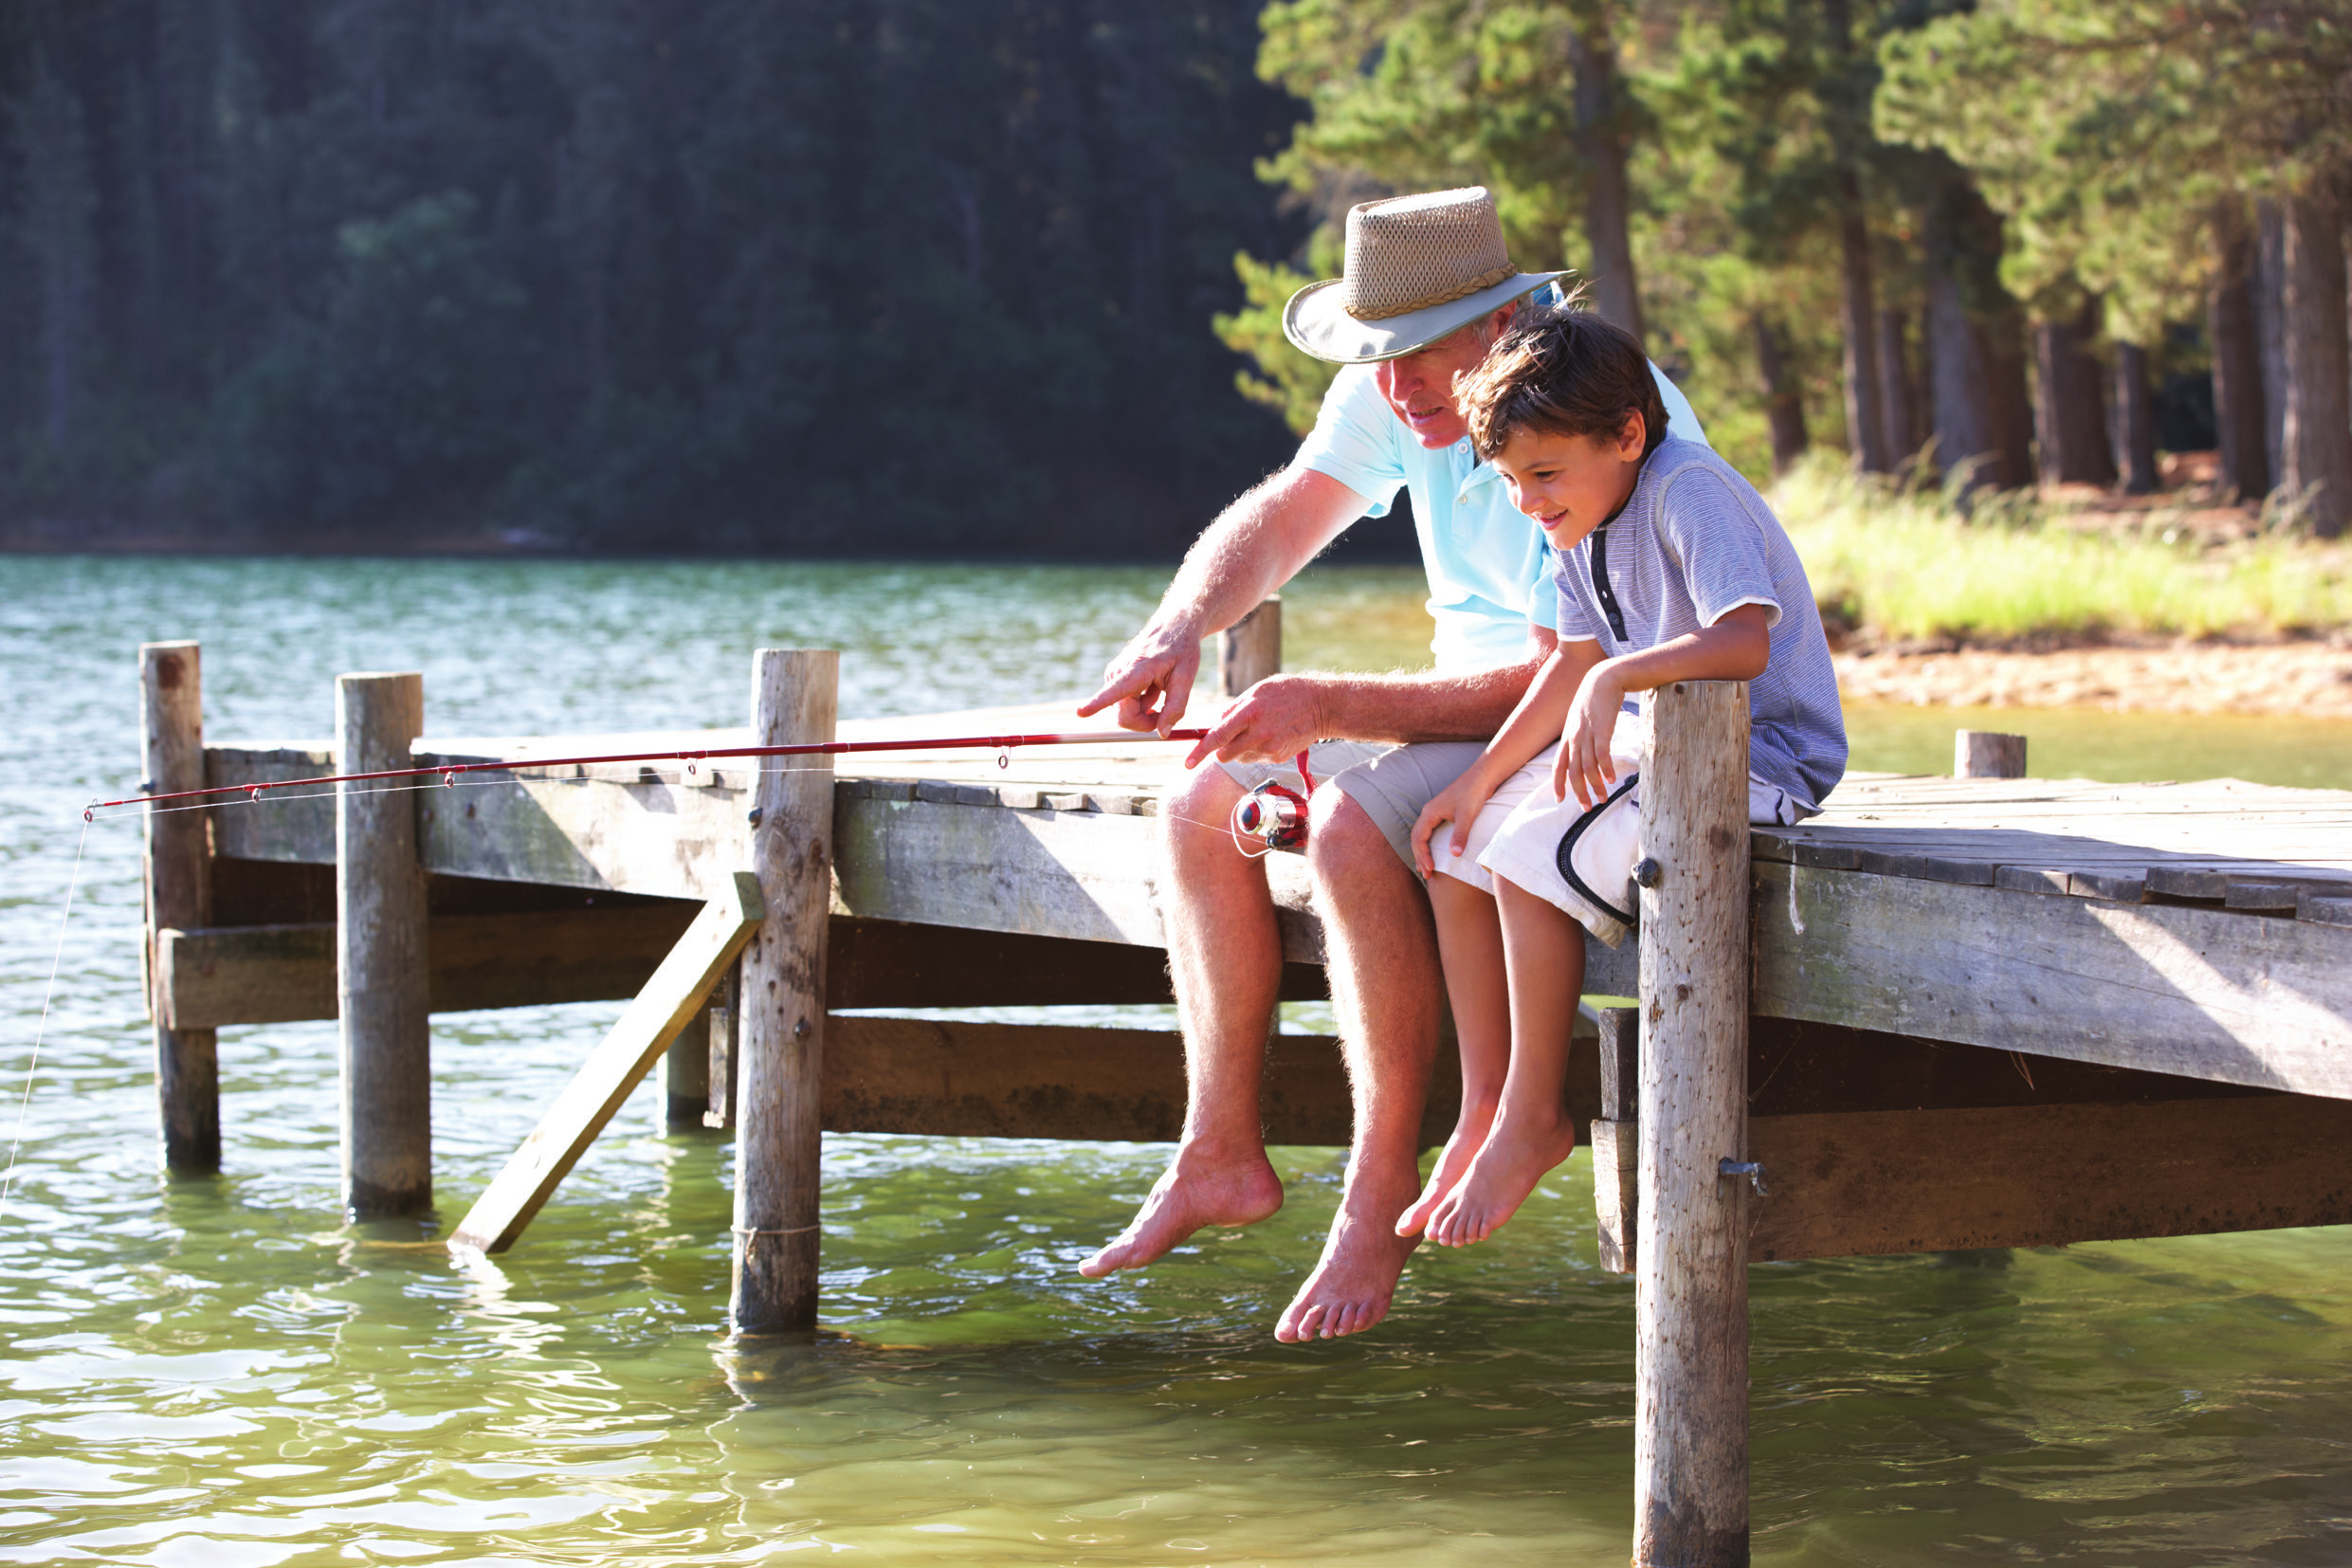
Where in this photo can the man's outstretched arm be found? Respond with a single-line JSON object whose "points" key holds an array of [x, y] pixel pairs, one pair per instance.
{"points": [[1284, 713], [1255, 546]]}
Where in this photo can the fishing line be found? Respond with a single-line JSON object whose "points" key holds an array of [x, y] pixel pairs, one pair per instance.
{"points": [[23, 1102]]}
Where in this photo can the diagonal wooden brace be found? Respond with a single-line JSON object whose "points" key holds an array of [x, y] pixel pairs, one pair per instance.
{"points": [[620, 1061]]}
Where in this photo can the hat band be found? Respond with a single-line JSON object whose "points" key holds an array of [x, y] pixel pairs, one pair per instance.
{"points": [[1484, 279]]}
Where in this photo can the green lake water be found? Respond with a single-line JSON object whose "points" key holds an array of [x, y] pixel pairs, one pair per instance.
{"points": [[223, 1372]]}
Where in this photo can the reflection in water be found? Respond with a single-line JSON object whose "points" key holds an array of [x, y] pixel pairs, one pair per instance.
{"points": [[219, 1370]]}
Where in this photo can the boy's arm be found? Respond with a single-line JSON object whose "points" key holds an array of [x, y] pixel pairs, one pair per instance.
{"points": [[1736, 647], [1534, 725]]}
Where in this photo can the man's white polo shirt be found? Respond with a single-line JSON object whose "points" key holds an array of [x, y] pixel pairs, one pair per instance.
{"points": [[1489, 567]]}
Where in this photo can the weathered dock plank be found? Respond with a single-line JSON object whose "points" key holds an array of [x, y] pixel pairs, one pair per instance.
{"points": [[2199, 992]]}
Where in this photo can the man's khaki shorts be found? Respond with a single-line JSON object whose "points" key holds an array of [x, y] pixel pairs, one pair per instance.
{"points": [[1390, 783]]}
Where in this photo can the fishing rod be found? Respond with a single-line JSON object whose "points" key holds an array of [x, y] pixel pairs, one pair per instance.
{"points": [[450, 772]]}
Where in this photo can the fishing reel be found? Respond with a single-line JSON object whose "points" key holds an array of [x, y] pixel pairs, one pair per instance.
{"points": [[1274, 815]]}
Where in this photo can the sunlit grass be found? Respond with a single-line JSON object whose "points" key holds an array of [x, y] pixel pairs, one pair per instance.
{"points": [[1907, 564]]}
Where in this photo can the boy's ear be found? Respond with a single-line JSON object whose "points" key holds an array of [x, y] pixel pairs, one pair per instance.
{"points": [[1633, 435]]}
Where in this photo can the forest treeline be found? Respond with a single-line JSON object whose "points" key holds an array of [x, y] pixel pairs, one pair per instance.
{"points": [[2016, 241], [1004, 275], [742, 274]]}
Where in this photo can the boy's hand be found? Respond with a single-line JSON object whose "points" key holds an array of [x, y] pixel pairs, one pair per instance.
{"points": [[1584, 763], [1458, 803]]}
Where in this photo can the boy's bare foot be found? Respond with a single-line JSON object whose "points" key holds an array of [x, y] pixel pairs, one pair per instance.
{"points": [[1356, 1278], [1195, 1191], [1515, 1156], [1452, 1161]]}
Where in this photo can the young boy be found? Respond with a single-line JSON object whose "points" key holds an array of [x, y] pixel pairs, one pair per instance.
{"points": [[1670, 568]]}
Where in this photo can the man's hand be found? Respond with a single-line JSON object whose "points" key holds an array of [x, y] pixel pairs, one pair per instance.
{"points": [[1272, 722], [1151, 680]]}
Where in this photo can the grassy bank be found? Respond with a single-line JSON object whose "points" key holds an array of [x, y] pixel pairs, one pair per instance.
{"points": [[1903, 565]]}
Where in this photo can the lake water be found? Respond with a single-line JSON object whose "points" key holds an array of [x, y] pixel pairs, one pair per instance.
{"points": [[223, 1372]]}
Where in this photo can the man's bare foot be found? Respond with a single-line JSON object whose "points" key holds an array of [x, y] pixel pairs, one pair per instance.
{"points": [[1452, 1161], [1356, 1275], [1515, 1156], [1196, 1190]]}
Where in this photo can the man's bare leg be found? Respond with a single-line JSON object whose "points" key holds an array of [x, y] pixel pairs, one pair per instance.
{"points": [[1382, 952], [1224, 955], [1470, 944]]}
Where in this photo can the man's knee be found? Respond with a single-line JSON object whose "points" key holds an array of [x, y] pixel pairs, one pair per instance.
{"points": [[1343, 841]]}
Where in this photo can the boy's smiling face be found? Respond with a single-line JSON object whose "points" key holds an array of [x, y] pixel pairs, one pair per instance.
{"points": [[1568, 484]]}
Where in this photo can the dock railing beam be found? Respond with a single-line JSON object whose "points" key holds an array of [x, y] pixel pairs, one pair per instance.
{"points": [[1690, 1448], [179, 897], [779, 1042], [382, 977]]}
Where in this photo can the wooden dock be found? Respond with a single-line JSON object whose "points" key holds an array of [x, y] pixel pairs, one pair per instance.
{"points": [[1979, 1013]]}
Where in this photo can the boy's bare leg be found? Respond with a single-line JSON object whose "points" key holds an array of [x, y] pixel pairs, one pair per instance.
{"points": [[1470, 944], [1381, 955], [1543, 950], [1224, 955]]}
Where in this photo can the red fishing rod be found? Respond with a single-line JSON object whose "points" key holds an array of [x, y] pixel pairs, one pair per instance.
{"points": [[450, 772]]}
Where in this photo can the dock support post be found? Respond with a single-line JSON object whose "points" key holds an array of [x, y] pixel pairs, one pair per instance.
{"points": [[381, 974], [1987, 754], [1251, 649], [1690, 1449], [180, 896], [779, 1042], [686, 1074]]}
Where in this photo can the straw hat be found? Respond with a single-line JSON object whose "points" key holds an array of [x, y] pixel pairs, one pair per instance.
{"points": [[1417, 268]]}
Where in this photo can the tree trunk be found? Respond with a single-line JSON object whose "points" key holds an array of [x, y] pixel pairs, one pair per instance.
{"points": [[1866, 422], [1785, 400], [2002, 342], [2230, 321], [1600, 142], [2315, 438], [1894, 389], [2269, 283], [2071, 414], [2133, 425]]}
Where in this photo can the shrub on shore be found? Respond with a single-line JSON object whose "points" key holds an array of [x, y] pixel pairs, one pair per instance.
{"points": [[1904, 563]]}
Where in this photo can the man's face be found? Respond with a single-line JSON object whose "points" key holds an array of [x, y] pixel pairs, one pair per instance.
{"points": [[1419, 386]]}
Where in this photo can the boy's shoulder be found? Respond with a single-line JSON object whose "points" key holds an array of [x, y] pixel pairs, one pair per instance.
{"points": [[1676, 457]]}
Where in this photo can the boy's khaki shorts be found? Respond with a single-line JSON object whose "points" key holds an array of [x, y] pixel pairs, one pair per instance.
{"points": [[1390, 783]]}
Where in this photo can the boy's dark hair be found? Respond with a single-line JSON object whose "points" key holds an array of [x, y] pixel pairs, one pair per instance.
{"points": [[1565, 371]]}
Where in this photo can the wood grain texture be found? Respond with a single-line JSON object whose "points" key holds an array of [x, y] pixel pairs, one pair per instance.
{"points": [[1251, 649], [2169, 988], [1690, 1463], [178, 892], [957, 1079], [382, 972], [645, 1029], [779, 1042], [1987, 754]]}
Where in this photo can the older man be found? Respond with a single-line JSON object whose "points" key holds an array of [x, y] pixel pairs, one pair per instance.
{"points": [[1427, 288]]}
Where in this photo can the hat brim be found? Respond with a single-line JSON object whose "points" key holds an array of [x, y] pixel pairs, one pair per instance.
{"points": [[1317, 323]]}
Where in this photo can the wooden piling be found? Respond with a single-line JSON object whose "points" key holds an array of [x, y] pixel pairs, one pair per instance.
{"points": [[178, 897], [1251, 649], [686, 1074], [381, 971], [780, 1044], [1690, 1268], [1987, 754]]}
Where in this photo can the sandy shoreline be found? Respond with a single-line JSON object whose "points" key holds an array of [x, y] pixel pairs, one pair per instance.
{"points": [[2309, 679]]}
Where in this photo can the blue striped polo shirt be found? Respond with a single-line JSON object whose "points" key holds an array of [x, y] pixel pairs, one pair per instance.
{"points": [[1693, 543]]}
